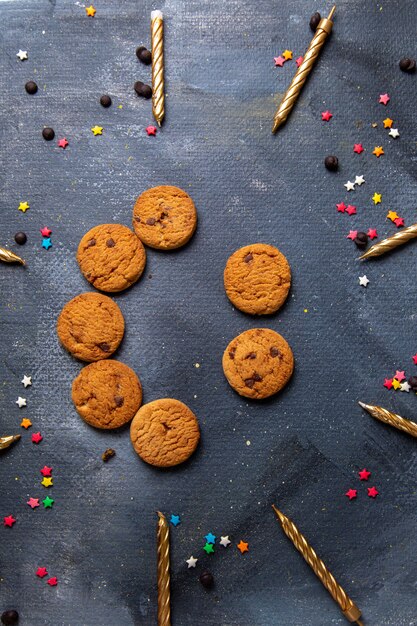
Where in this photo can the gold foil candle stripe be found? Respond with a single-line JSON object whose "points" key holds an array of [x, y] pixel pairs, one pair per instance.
{"points": [[7, 441], [164, 599], [388, 244], [383, 415], [10, 257], [290, 97], [348, 607], [158, 84]]}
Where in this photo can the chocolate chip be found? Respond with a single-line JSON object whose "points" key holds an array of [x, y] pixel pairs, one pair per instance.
{"points": [[20, 238], [274, 352], [105, 101], [407, 65], [137, 219], [251, 355], [104, 346], [314, 21], [151, 221], [143, 90], [249, 382], [48, 134], [144, 55], [8, 618], [232, 352], [331, 163], [206, 579], [119, 400], [31, 87], [361, 239], [91, 243], [107, 454], [257, 377], [110, 243], [248, 257], [412, 381]]}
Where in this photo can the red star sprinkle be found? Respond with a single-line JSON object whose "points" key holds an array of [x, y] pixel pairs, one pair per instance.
{"points": [[372, 234], [45, 232], [46, 471], [351, 494], [52, 581], [279, 61], [399, 375], [352, 234], [36, 438], [63, 143], [388, 383], [326, 116], [414, 359], [299, 61], [350, 209], [399, 221], [33, 502], [41, 572], [372, 492], [151, 130], [384, 99], [364, 474], [9, 521], [358, 148], [341, 207]]}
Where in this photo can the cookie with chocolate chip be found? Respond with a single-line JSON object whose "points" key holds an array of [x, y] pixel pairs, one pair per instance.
{"points": [[111, 257], [258, 363], [164, 217], [257, 279], [91, 327], [107, 394]]}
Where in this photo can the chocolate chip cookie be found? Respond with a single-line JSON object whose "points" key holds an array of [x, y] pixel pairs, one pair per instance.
{"points": [[91, 326], [258, 363], [111, 257], [164, 432], [257, 279], [107, 394], [164, 217]]}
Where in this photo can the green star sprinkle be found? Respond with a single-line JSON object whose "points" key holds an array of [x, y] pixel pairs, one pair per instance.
{"points": [[209, 548], [48, 502]]}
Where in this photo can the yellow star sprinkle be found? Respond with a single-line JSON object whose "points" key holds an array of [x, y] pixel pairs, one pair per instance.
{"points": [[47, 481], [25, 423], [392, 215], [388, 122], [23, 206], [377, 198], [90, 11], [287, 54], [378, 151], [97, 130], [396, 384]]}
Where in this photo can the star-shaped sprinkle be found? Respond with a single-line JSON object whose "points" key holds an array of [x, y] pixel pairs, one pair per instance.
{"points": [[372, 492], [384, 99], [341, 207], [175, 520], [63, 143], [36, 437], [351, 494], [26, 423], [350, 209], [243, 547], [225, 541], [399, 221], [48, 502], [209, 548], [405, 387], [287, 54], [41, 572], [91, 11], [47, 481], [414, 359], [349, 186], [46, 471], [33, 502], [377, 198], [191, 562], [22, 54], [9, 521], [388, 383], [97, 130], [364, 474], [372, 234], [23, 206], [363, 280], [326, 116], [392, 215], [395, 384], [151, 130], [279, 61], [299, 61], [45, 232], [26, 381], [400, 375], [352, 234], [358, 148], [52, 581], [210, 538], [21, 402], [378, 151], [359, 180], [394, 133], [388, 122], [46, 243]]}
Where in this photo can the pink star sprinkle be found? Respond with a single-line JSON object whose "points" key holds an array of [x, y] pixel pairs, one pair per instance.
{"points": [[351, 494], [151, 130], [63, 143], [350, 209], [45, 232], [299, 61], [372, 492], [341, 207], [372, 234], [388, 383], [399, 221], [326, 116], [384, 99], [414, 359], [33, 502], [358, 148], [399, 376], [279, 61], [352, 234]]}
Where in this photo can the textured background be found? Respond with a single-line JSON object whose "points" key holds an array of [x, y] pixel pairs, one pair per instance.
{"points": [[307, 444]]}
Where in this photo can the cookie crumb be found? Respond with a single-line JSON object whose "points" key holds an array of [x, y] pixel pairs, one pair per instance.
{"points": [[107, 454]]}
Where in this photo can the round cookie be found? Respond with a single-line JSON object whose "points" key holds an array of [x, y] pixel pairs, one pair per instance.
{"points": [[257, 279], [107, 394], [258, 363], [164, 432], [164, 217], [91, 326], [111, 257]]}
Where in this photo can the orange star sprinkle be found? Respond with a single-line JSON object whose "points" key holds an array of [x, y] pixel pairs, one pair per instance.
{"points": [[243, 547], [91, 11], [392, 215], [26, 423], [287, 54], [378, 151], [388, 122]]}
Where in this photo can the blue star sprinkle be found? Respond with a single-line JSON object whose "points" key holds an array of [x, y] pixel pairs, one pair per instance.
{"points": [[46, 243], [175, 520], [210, 538]]}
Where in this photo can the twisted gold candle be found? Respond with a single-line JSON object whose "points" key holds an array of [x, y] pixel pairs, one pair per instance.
{"points": [[381, 414], [323, 30], [10, 257], [391, 242], [164, 605], [5, 442], [349, 608], [158, 85]]}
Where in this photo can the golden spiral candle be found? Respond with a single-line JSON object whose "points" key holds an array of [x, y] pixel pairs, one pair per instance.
{"points": [[349, 608], [323, 31], [158, 85], [164, 601], [7, 441], [383, 415], [391, 242], [10, 257]]}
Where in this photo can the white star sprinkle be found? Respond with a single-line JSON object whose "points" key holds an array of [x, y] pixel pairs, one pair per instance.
{"points": [[22, 54], [26, 380], [359, 180], [21, 402], [394, 133], [224, 541], [349, 186], [405, 387], [191, 562], [363, 280]]}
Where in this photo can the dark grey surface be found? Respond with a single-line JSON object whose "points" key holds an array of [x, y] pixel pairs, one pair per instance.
{"points": [[306, 444]]}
